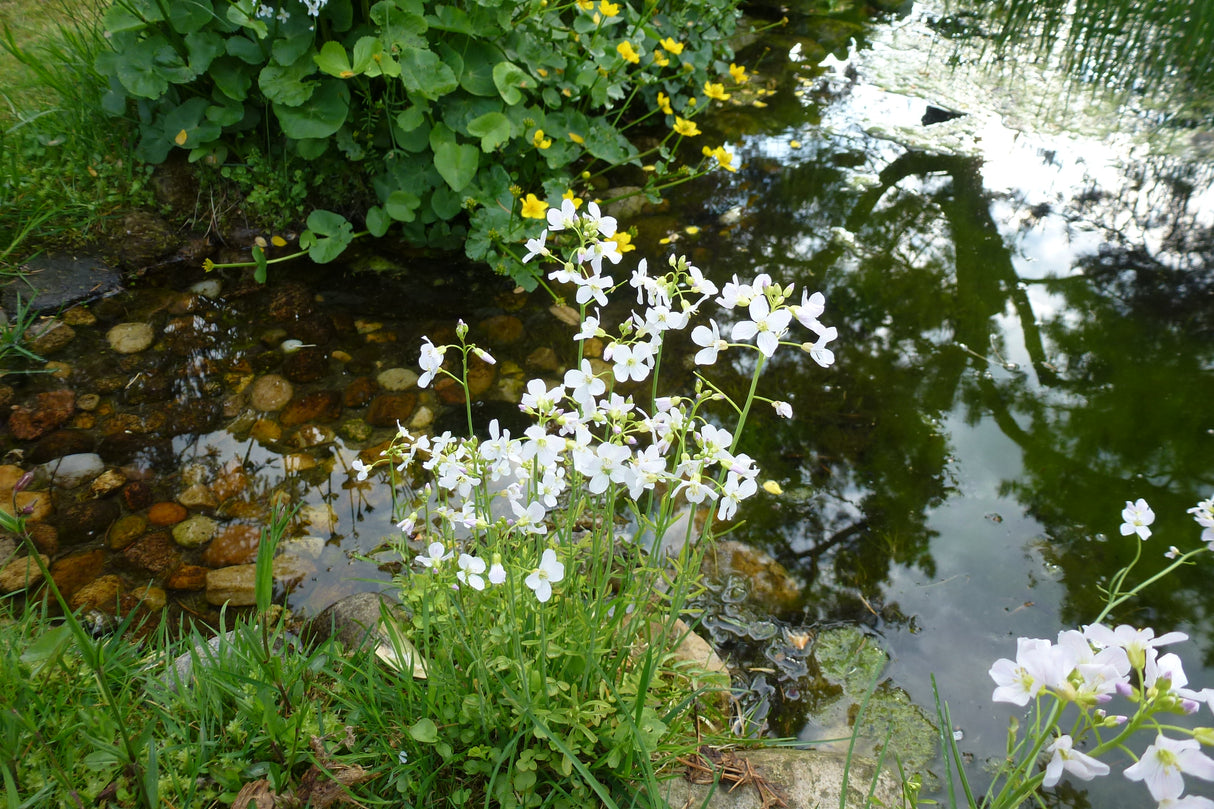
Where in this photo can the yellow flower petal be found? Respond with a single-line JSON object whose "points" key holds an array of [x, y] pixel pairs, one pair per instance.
{"points": [[608, 9], [628, 52], [534, 207], [738, 72], [674, 47], [576, 138], [716, 91], [687, 129], [664, 103], [771, 487]]}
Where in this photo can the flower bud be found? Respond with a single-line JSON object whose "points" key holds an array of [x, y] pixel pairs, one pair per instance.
{"points": [[461, 330], [1189, 706], [1113, 721], [23, 481], [1204, 735]]}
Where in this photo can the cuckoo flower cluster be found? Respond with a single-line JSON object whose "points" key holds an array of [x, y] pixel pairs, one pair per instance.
{"points": [[1098, 670], [599, 442]]}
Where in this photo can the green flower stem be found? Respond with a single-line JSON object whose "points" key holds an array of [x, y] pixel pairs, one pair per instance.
{"points": [[750, 398], [1116, 597]]}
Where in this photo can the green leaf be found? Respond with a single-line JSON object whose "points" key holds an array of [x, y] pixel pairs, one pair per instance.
{"points": [[449, 18], [378, 221], [131, 16], [287, 50], [189, 16], [286, 85], [492, 128], [225, 114], [259, 275], [231, 77], [311, 148], [328, 234], [446, 203], [319, 117], [508, 78], [366, 51], [188, 126], [334, 60], [401, 205], [246, 50], [47, 648], [203, 47], [422, 72], [479, 62], [456, 162], [424, 730], [411, 118]]}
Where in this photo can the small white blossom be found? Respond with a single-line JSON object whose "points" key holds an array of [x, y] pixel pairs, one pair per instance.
{"points": [[542, 578], [1137, 516]]}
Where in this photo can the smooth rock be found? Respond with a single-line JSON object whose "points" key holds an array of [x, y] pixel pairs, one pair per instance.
{"points": [[359, 391], [306, 365], [70, 471], [73, 572], [198, 496], [45, 537], [150, 597], [210, 288], [126, 530], [397, 379], [423, 417], [86, 521], [36, 506], [544, 359], [48, 336], [187, 577], [102, 594], [195, 531], [265, 431], [236, 585], [88, 402], [270, 393], [130, 338], [368, 620], [21, 573], [108, 482], [164, 514], [137, 495], [389, 408], [323, 405], [503, 329]]}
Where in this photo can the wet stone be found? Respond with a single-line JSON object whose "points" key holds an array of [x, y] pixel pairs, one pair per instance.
{"points": [[73, 572], [44, 536], [154, 554], [107, 483], [187, 577], [101, 594], [36, 506], [270, 393], [545, 359], [314, 435], [231, 481], [79, 316], [235, 586], [397, 379], [422, 419], [234, 545], [322, 406], [195, 531], [9, 475], [71, 471], [389, 408], [265, 431], [58, 370], [198, 496], [48, 336], [290, 301], [306, 365], [43, 413], [190, 333], [137, 495], [58, 444], [360, 391], [163, 514], [314, 330], [21, 573], [130, 338], [503, 329], [356, 430], [86, 521], [150, 597], [126, 530]]}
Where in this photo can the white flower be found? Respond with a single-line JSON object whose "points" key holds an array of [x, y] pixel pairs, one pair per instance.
{"points": [[766, 326], [596, 224], [497, 573], [583, 385], [632, 362], [590, 328], [562, 217], [1163, 762], [783, 409], [736, 490], [1139, 644], [1066, 757], [1137, 517], [470, 570], [435, 555], [710, 342], [735, 294], [809, 309], [537, 246], [283, 15], [539, 400], [361, 468], [431, 361], [1203, 512], [541, 579], [1187, 802], [595, 287], [529, 519], [1037, 667]]}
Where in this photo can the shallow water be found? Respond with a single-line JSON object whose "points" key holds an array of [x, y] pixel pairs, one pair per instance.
{"points": [[1025, 303]]}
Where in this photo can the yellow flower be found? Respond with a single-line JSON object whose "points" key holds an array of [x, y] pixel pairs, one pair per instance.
{"points": [[796, 144], [664, 103], [609, 9], [716, 91], [739, 73], [771, 487], [626, 50], [623, 242], [685, 127], [759, 104], [543, 73], [723, 158], [691, 230], [576, 138], [539, 141], [674, 47], [534, 207], [577, 201], [659, 58], [585, 5], [278, 241]]}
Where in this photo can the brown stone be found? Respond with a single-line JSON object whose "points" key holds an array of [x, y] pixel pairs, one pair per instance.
{"points": [[100, 594], [231, 481], [189, 333], [137, 495], [235, 545], [73, 572], [198, 496], [107, 482], [503, 329], [291, 301], [9, 475], [324, 405], [545, 359], [45, 412], [265, 431], [48, 336], [163, 514], [36, 506], [306, 365], [155, 554], [21, 573], [389, 408], [126, 530], [44, 536], [59, 443], [270, 393], [315, 329], [187, 577], [86, 521], [359, 391]]}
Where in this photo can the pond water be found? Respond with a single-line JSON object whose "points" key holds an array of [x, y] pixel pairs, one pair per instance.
{"points": [[1025, 302]]}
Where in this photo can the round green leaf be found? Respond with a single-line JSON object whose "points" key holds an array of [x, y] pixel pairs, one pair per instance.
{"points": [[378, 221], [492, 128], [424, 730], [401, 205], [508, 78], [286, 85], [318, 117]]}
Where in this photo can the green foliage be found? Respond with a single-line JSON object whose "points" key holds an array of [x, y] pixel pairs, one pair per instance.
{"points": [[449, 110]]}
